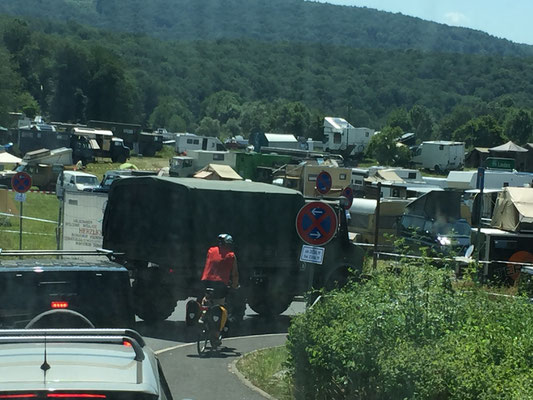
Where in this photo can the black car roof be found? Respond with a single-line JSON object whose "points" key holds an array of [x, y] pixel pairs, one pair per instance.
{"points": [[60, 265]]}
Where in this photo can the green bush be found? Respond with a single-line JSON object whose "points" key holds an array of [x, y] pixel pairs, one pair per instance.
{"points": [[409, 333]]}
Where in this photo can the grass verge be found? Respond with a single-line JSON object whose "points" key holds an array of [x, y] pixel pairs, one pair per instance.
{"points": [[267, 370]]}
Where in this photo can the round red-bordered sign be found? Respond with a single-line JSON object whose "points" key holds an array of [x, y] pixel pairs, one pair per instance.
{"points": [[21, 182], [348, 193], [316, 223], [513, 270], [323, 182]]}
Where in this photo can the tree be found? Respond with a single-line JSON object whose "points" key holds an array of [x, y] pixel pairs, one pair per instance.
{"points": [[399, 118], [519, 126], [483, 131], [171, 114], [72, 72], [231, 128], [222, 106], [255, 117], [208, 127], [385, 149], [421, 120], [451, 122], [16, 36], [293, 118]]}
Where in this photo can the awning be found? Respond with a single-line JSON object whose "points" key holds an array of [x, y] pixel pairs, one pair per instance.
{"points": [[6, 158]]}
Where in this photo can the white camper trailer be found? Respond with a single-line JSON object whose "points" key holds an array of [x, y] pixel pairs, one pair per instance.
{"points": [[493, 179], [439, 155], [188, 141], [341, 137]]}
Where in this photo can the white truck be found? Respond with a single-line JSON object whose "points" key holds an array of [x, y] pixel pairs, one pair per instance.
{"points": [[439, 155], [343, 138], [188, 141]]}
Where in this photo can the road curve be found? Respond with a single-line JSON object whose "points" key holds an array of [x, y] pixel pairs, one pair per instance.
{"points": [[195, 378]]}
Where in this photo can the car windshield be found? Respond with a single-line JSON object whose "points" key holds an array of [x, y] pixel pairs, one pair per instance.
{"points": [[457, 228], [87, 180], [371, 160]]}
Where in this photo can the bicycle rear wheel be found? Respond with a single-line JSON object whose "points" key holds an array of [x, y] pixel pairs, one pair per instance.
{"points": [[202, 345]]}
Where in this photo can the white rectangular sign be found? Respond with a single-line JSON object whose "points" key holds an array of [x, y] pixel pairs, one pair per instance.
{"points": [[20, 197], [83, 213], [312, 254]]}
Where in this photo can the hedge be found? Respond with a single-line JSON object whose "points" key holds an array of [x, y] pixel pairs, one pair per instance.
{"points": [[411, 333]]}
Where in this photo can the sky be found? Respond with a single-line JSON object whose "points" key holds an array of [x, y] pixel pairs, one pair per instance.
{"points": [[506, 19]]}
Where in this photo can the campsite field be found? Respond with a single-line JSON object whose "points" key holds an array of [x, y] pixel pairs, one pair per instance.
{"points": [[40, 233]]}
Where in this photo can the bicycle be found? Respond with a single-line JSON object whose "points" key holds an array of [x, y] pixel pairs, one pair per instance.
{"points": [[212, 320]]}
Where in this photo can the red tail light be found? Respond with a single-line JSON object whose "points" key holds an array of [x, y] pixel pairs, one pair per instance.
{"points": [[17, 396], [59, 304], [126, 343], [76, 395]]}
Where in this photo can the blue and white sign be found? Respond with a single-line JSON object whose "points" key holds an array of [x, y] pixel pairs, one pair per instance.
{"points": [[312, 254]]}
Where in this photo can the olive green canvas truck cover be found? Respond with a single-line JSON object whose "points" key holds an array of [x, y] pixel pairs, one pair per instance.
{"points": [[173, 221]]}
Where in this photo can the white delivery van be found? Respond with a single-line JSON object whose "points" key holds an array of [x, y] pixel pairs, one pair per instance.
{"points": [[439, 155], [75, 181]]}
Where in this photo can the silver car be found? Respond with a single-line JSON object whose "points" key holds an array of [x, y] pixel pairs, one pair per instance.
{"points": [[79, 363]]}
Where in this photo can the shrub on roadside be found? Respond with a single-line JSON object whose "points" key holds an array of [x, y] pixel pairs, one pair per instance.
{"points": [[410, 334]]}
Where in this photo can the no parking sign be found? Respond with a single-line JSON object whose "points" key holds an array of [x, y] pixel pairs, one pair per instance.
{"points": [[316, 223]]}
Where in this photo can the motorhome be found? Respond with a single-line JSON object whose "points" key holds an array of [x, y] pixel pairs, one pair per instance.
{"points": [[341, 137], [439, 155], [187, 142], [303, 177]]}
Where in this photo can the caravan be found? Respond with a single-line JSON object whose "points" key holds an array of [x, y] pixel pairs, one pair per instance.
{"points": [[189, 141]]}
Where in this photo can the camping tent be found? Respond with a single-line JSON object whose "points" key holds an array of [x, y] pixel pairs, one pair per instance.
{"points": [[218, 172], [514, 210], [511, 150]]}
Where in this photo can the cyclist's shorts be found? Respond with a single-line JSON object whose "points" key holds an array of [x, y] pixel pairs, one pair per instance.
{"points": [[221, 290]]}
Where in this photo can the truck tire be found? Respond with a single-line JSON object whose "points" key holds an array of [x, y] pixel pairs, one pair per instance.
{"points": [[150, 305], [270, 306]]}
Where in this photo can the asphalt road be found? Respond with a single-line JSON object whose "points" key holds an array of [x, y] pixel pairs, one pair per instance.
{"points": [[192, 377]]}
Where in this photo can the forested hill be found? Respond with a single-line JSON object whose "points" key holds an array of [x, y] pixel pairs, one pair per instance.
{"points": [[268, 20]]}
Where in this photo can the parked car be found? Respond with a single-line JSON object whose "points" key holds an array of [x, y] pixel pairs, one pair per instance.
{"points": [[75, 180], [79, 363], [113, 175], [434, 221]]}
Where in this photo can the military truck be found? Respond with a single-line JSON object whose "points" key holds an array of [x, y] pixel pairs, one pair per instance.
{"points": [[163, 226]]}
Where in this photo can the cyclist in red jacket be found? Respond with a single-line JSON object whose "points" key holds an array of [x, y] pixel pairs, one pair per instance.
{"points": [[221, 268]]}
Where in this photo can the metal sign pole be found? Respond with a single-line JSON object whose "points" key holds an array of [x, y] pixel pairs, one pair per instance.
{"points": [[480, 183], [20, 225], [376, 227]]}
